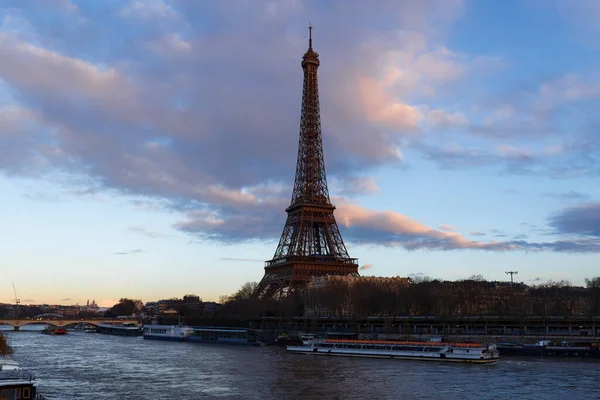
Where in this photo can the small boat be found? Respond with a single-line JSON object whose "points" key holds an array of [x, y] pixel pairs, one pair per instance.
{"points": [[16, 382], [434, 351], [167, 332], [53, 330]]}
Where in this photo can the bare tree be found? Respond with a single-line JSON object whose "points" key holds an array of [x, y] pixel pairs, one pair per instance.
{"points": [[246, 291], [5, 349], [593, 286]]}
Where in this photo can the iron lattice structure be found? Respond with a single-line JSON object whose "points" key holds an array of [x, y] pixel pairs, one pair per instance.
{"points": [[311, 243]]}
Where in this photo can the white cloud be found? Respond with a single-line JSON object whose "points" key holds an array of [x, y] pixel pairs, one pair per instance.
{"points": [[148, 9]]}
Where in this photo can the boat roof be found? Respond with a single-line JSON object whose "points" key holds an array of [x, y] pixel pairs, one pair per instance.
{"points": [[11, 373], [236, 330], [8, 364], [404, 343]]}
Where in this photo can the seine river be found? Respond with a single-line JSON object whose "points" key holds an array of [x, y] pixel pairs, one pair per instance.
{"points": [[94, 366]]}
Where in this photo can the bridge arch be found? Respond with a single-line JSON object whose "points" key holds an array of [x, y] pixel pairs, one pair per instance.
{"points": [[49, 315], [61, 323]]}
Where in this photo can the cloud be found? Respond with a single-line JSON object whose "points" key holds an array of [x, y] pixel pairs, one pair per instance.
{"points": [[396, 230], [146, 232], [140, 118], [477, 233], [583, 220], [170, 45], [67, 299], [447, 228], [355, 185], [365, 267], [571, 195], [148, 9], [129, 111], [136, 251], [441, 119], [41, 196]]}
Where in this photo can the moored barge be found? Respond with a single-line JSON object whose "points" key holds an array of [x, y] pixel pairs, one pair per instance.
{"points": [[545, 348], [201, 334], [402, 350], [124, 329]]}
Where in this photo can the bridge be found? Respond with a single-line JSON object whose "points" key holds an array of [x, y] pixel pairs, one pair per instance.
{"points": [[61, 323]]}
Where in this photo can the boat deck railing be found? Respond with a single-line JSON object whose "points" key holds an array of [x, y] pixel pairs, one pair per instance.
{"points": [[17, 373], [402, 343]]}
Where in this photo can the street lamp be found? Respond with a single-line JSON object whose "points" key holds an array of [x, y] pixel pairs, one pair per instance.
{"points": [[511, 273]]}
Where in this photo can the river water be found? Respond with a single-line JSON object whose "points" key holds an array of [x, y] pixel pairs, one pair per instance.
{"points": [[94, 366]]}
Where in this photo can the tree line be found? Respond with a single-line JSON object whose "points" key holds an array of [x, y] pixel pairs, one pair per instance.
{"points": [[473, 296]]}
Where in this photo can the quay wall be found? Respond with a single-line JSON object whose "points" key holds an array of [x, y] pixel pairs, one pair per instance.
{"points": [[496, 329]]}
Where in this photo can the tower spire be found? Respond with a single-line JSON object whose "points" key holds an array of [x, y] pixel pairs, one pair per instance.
{"points": [[310, 36]]}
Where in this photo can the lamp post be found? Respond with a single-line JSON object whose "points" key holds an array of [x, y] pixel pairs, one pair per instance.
{"points": [[511, 273]]}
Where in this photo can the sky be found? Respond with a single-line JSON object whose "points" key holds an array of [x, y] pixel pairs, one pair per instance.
{"points": [[148, 147]]}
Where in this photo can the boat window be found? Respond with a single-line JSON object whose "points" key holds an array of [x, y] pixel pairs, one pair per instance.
{"points": [[10, 394], [26, 393]]}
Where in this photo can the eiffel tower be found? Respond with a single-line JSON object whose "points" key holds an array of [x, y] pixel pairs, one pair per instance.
{"points": [[311, 243]]}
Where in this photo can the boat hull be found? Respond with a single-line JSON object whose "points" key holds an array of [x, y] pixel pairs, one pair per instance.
{"points": [[54, 331]]}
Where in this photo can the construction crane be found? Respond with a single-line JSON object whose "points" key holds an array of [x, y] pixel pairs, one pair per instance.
{"points": [[17, 301]]}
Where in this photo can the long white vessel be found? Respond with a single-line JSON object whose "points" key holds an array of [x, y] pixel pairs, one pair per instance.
{"points": [[435, 351], [167, 332]]}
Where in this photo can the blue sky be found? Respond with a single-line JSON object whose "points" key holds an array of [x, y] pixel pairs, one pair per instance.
{"points": [[148, 147]]}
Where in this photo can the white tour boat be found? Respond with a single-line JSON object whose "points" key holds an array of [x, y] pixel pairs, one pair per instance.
{"points": [[167, 332], [435, 351]]}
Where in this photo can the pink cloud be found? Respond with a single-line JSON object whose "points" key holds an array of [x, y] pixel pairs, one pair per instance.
{"points": [[447, 228], [394, 229], [380, 107]]}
